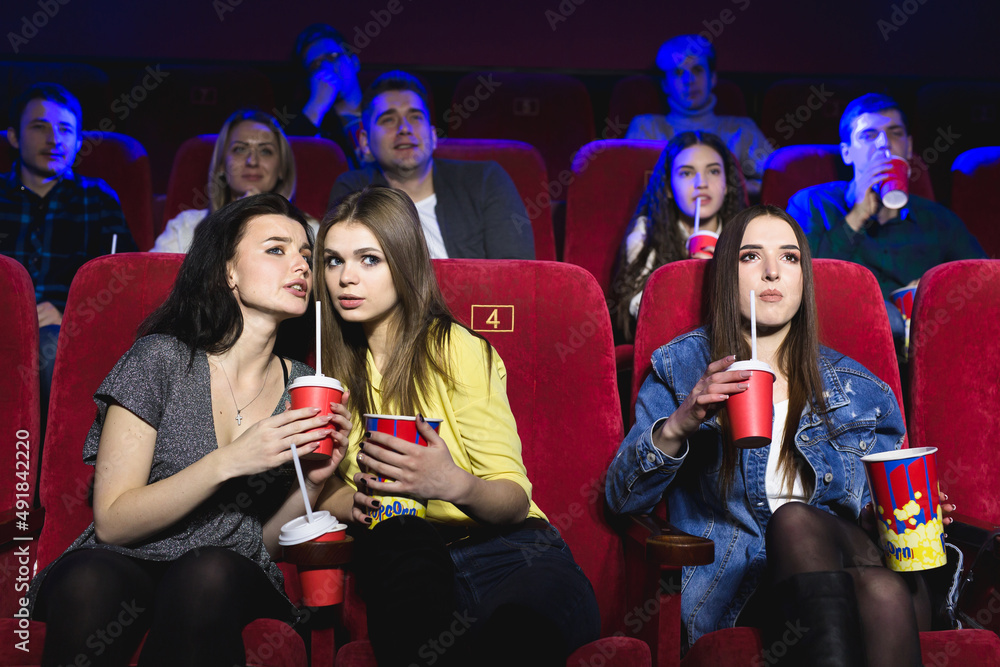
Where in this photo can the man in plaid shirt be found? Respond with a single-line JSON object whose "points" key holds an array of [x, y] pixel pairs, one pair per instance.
{"points": [[51, 220]]}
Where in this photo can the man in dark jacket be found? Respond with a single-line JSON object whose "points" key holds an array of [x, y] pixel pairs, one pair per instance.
{"points": [[467, 209]]}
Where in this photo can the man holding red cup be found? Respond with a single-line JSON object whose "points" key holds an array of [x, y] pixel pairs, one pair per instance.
{"points": [[872, 219]]}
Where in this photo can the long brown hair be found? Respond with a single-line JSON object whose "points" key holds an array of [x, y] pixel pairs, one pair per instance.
{"points": [[659, 207], [420, 326], [798, 356]]}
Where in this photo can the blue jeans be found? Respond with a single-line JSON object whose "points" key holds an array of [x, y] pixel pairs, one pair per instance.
{"points": [[491, 596]]}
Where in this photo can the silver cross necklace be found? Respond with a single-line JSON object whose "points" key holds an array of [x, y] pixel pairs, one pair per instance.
{"points": [[239, 417]]}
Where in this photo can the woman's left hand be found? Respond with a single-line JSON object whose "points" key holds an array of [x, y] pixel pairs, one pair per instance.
{"points": [[425, 472]]}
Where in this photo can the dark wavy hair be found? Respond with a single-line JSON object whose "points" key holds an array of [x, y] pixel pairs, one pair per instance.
{"points": [[798, 356], [201, 310], [660, 209]]}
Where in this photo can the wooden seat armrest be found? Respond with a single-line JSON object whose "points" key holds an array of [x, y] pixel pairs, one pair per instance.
{"points": [[665, 544], [320, 554]]}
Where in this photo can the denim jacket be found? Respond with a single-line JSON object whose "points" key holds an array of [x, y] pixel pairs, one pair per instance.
{"points": [[862, 418]]}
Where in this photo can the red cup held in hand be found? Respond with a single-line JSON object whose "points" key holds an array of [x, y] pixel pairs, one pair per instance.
{"points": [[751, 412], [702, 241], [894, 189], [317, 391]]}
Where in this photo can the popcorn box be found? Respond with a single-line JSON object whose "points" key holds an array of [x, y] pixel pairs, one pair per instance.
{"points": [[904, 486]]}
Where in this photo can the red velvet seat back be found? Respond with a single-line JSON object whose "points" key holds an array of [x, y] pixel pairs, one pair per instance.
{"points": [[109, 298], [526, 167], [640, 94], [122, 162], [795, 168], [318, 163], [549, 324], [954, 366], [852, 317], [975, 195], [608, 180], [549, 111], [19, 410]]}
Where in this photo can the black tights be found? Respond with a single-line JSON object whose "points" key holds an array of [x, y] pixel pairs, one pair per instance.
{"points": [[803, 539], [98, 604]]}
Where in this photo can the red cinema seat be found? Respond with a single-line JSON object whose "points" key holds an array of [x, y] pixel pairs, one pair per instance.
{"points": [[641, 94], [20, 520], [853, 322], [953, 406], [109, 298], [318, 163], [608, 180], [553, 331], [524, 164], [975, 194], [953, 395], [122, 163], [549, 111], [795, 168]]}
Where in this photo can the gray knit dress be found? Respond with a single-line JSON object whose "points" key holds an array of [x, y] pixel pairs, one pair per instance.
{"points": [[157, 381]]}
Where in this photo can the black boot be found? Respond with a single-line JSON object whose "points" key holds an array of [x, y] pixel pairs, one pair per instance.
{"points": [[818, 624]]}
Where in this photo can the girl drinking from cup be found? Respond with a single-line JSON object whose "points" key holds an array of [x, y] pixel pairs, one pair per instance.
{"points": [[694, 166], [192, 453], [785, 520], [484, 552]]}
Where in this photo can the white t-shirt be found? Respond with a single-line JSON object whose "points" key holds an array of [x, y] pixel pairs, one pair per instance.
{"points": [[432, 231], [777, 493]]}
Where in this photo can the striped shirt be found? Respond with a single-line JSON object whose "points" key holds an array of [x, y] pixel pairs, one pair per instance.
{"points": [[55, 235]]}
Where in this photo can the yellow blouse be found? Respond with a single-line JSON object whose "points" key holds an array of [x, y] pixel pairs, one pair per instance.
{"points": [[477, 425]]}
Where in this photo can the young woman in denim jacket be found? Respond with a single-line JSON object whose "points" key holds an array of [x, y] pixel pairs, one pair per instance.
{"points": [[789, 550]]}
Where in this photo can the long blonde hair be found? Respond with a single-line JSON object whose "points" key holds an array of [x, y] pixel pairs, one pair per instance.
{"points": [[420, 326], [219, 193]]}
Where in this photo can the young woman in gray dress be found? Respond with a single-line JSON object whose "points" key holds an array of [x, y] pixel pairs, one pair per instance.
{"points": [[192, 451]]}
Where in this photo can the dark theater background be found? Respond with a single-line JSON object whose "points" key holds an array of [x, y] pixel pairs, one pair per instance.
{"points": [[161, 72]]}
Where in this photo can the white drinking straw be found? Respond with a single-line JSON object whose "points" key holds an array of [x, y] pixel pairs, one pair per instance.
{"points": [[302, 483], [319, 347], [114, 243], [697, 204], [753, 326]]}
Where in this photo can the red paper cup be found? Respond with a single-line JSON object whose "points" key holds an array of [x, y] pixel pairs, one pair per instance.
{"points": [[405, 428], [316, 391], [703, 241], [903, 300], [904, 486], [751, 413], [321, 586], [894, 188]]}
